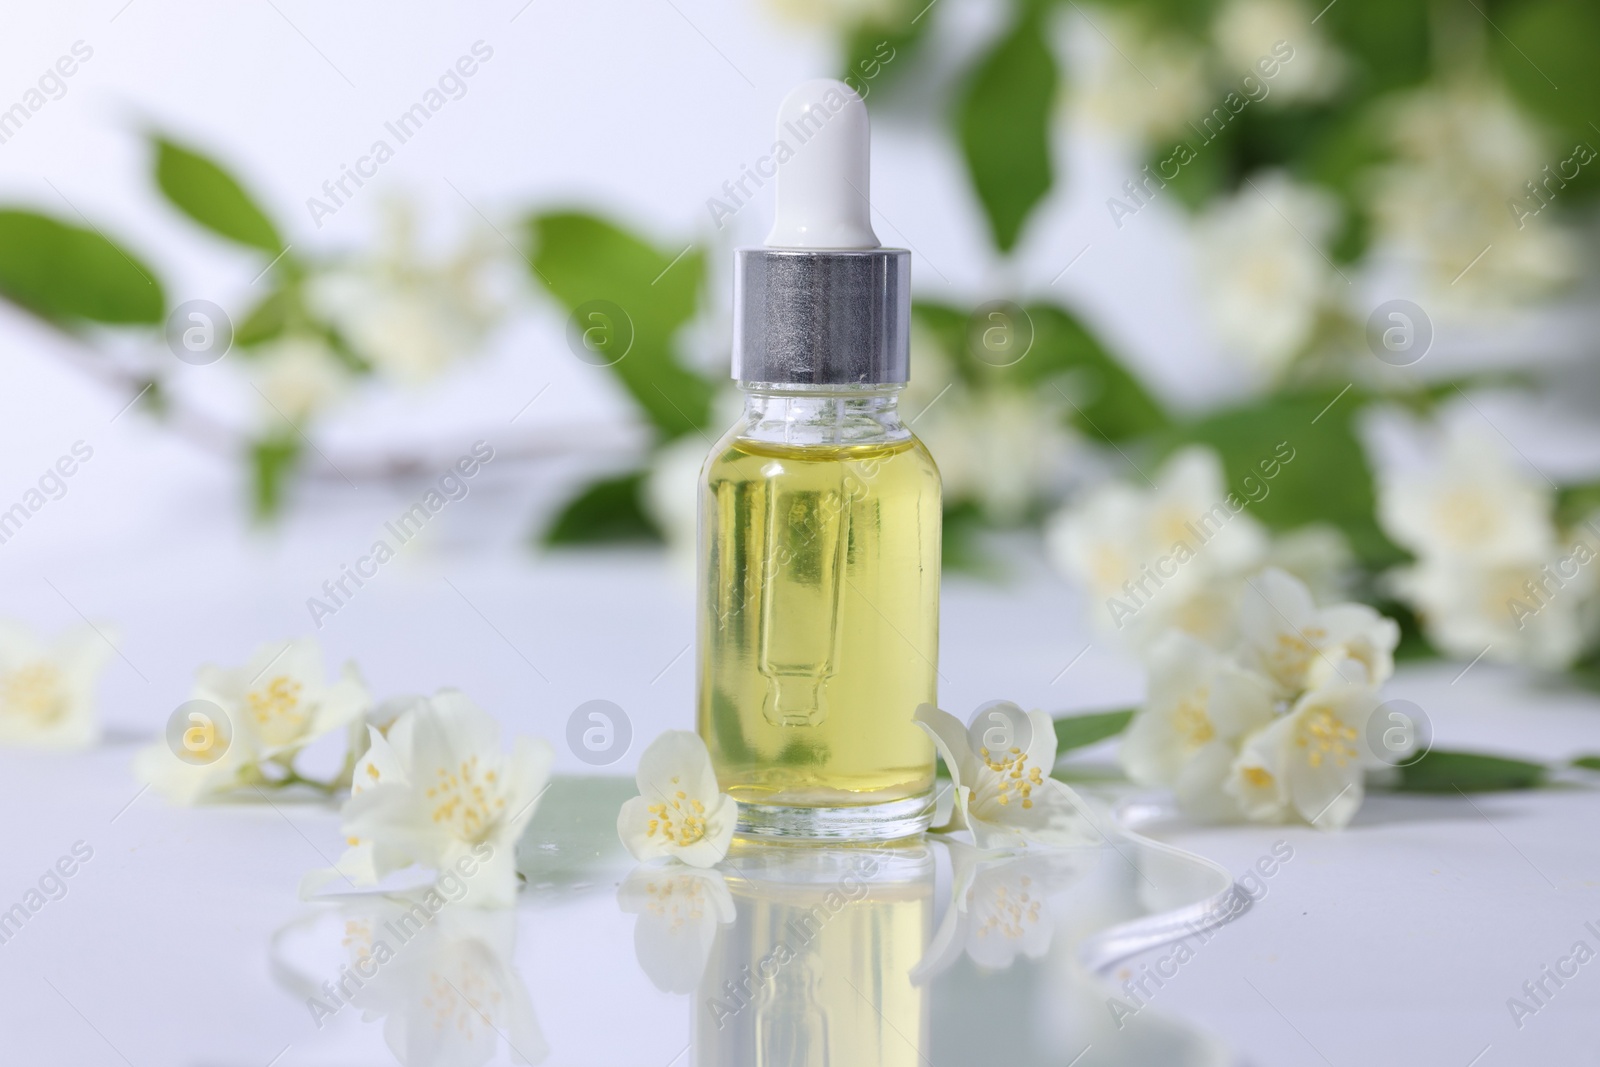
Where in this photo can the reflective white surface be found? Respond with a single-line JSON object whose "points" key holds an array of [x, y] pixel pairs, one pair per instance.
{"points": [[1399, 940], [917, 952]]}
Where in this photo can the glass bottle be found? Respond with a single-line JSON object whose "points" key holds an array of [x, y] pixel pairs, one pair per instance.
{"points": [[820, 520]]}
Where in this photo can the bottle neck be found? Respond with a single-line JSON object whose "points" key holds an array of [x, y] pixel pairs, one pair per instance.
{"points": [[822, 415]]}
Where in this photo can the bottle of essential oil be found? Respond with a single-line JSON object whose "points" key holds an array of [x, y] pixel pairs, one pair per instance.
{"points": [[820, 514]]}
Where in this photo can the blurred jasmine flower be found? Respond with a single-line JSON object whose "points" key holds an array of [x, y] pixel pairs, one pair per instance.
{"points": [[1518, 612], [1299, 646], [1003, 448], [1319, 555], [679, 812], [1199, 707], [1310, 762], [408, 317], [299, 375], [1493, 576], [438, 791], [1462, 148], [1133, 79], [275, 705], [1172, 556], [1263, 268], [1277, 727], [1471, 502], [1248, 31], [680, 910], [47, 690], [1007, 798]]}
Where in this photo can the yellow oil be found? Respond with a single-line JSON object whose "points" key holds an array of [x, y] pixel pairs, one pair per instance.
{"points": [[819, 620]]}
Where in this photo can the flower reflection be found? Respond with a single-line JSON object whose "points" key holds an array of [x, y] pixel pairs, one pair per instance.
{"points": [[680, 910], [441, 979], [999, 907]]}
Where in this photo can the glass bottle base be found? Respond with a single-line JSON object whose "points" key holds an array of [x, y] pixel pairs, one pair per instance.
{"points": [[888, 821]]}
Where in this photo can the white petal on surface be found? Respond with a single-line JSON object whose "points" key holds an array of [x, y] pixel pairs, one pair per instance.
{"points": [[1263, 799], [340, 704], [1042, 746], [676, 760], [633, 827], [950, 737]]}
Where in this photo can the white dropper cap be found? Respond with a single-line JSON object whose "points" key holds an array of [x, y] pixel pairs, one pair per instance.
{"points": [[823, 188]]}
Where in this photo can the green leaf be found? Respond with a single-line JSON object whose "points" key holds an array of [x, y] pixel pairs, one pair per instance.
{"points": [[1468, 772], [68, 275], [877, 52], [1341, 158], [1321, 467], [1191, 19], [1388, 43], [1577, 503], [1080, 731], [961, 541], [272, 465], [266, 321], [1414, 646], [208, 194], [1103, 398], [608, 511], [1106, 400], [1548, 55], [1588, 763], [1003, 124], [581, 258]]}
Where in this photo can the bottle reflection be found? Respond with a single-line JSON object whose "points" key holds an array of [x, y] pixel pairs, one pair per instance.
{"points": [[816, 969]]}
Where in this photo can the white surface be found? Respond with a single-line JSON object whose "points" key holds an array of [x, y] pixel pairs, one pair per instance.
{"points": [[1397, 941]]}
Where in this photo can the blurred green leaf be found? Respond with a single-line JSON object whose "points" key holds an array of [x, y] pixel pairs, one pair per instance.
{"points": [[1080, 731], [961, 541], [1577, 503], [1210, 172], [606, 512], [1342, 158], [581, 258], [1469, 772], [272, 465], [1186, 18], [1387, 41], [1548, 52], [67, 274], [1107, 401], [877, 52], [1588, 763], [1104, 399], [266, 320], [1003, 124], [208, 194], [1325, 478], [948, 327], [1414, 646]]}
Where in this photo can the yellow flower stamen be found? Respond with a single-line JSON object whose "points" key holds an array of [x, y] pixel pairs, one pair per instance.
{"points": [[1325, 736], [36, 691], [277, 710]]}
